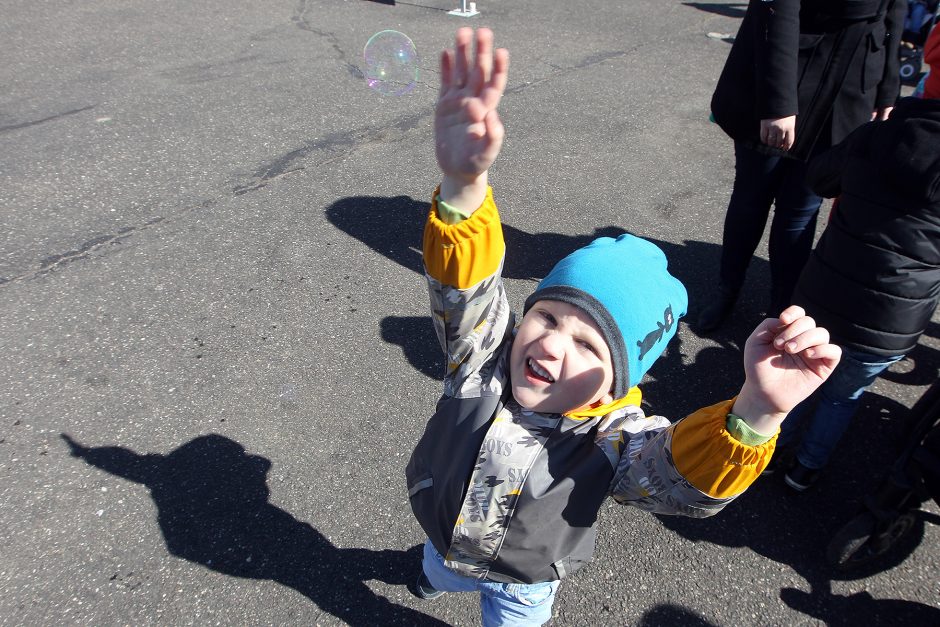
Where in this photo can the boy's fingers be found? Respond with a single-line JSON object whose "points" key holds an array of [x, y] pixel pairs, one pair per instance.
{"points": [[791, 313], [462, 45], [493, 93], [791, 331], [474, 110], [827, 354], [484, 59], [500, 70], [809, 339], [447, 70], [766, 330], [494, 129]]}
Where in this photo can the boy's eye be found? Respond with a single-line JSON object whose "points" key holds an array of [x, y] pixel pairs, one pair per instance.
{"points": [[588, 346], [549, 318]]}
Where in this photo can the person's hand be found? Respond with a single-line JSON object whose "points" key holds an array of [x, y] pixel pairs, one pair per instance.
{"points": [[778, 132], [785, 360], [881, 114], [468, 133]]}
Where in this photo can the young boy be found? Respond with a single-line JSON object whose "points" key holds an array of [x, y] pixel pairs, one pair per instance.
{"points": [[539, 424]]}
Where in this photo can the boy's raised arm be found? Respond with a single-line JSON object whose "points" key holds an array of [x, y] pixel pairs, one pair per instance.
{"points": [[463, 239], [468, 133]]}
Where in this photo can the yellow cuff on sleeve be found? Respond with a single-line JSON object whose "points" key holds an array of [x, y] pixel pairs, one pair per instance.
{"points": [[711, 459], [463, 254]]}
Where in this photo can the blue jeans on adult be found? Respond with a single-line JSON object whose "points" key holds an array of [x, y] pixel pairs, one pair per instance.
{"points": [[829, 410], [501, 604], [759, 181]]}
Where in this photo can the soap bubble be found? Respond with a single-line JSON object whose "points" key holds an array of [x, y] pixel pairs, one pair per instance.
{"points": [[391, 63], [288, 396]]}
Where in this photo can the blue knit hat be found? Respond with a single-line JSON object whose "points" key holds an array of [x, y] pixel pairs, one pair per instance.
{"points": [[623, 284]]}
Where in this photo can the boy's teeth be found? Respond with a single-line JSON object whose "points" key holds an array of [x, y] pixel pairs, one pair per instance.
{"points": [[539, 371]]}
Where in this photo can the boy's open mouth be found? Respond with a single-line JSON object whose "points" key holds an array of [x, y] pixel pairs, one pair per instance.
{"points": [[537, 372]]}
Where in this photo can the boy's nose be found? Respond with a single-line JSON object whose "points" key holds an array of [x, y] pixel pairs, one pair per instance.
{"points": [[552, 344]]}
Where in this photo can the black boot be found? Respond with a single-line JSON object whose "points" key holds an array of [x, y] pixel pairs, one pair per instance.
{"points": [[718, 309]]}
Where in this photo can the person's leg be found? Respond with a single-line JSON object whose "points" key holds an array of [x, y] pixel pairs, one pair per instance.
{"points": [[838, 400], [791, 232], [511, 604], [500, 604], [441, 578], [790, 429], [756, 177]]}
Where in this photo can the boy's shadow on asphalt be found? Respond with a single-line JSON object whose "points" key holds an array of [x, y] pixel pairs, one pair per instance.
{"points": [[393, 226], [213, 509]]}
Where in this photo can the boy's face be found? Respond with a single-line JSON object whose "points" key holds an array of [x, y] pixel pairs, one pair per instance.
{"points": [[559, 360]]}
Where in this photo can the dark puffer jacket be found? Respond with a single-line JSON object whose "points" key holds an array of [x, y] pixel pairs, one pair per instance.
{"points": [[874, 277]]}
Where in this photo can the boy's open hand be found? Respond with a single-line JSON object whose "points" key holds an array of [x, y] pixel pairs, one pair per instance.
{"points": [[785, 360], [467, 130]]}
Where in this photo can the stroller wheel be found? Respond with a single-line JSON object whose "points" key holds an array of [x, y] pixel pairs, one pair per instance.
{"points": [[908, 71], [861, 541]]}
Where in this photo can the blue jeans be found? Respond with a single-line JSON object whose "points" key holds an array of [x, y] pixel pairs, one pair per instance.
{"points": [[829, 410], [759, 181], [500, 603]]}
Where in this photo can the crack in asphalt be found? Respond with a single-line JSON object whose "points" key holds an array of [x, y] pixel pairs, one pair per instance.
{"points": [[300, 19], [53, 263], [347, 142], [359, 138], [13, 127], [557, 70], [354, 140]]}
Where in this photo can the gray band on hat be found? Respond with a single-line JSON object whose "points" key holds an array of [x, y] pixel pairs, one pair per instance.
{"points": [[609, 329]]}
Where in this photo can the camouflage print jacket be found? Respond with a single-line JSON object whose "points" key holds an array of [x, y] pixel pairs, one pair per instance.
{"points": [[511, 495]]}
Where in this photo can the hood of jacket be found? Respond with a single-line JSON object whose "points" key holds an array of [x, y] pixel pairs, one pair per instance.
{"points": [[907, 147]]}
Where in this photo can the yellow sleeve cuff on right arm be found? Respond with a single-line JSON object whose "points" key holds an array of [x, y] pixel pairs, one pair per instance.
{"points": [[463, 254], [711, 459]]}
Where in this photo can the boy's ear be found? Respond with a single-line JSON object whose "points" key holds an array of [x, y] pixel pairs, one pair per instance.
{"points": [[607, 398]]}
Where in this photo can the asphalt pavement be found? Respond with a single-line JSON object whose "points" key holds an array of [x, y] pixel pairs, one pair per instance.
{"points": [[215, 342]]}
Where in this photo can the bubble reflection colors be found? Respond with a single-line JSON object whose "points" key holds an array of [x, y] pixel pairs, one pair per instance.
{"points": [[391, 63]]}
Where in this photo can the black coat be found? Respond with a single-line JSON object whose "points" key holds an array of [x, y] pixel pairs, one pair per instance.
{"points": [[837, 57], [874, 277]]}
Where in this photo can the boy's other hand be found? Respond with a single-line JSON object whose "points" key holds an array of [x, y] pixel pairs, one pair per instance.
{"points": [[468, 133], [785, 360]]}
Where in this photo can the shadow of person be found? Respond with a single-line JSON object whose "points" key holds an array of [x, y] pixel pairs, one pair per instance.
{"points": [[921, 366], [531, 256], [393, 227], [670, 615], [415, 335], [795, 529], [213, 509], [836, 609], [727, 9]]}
